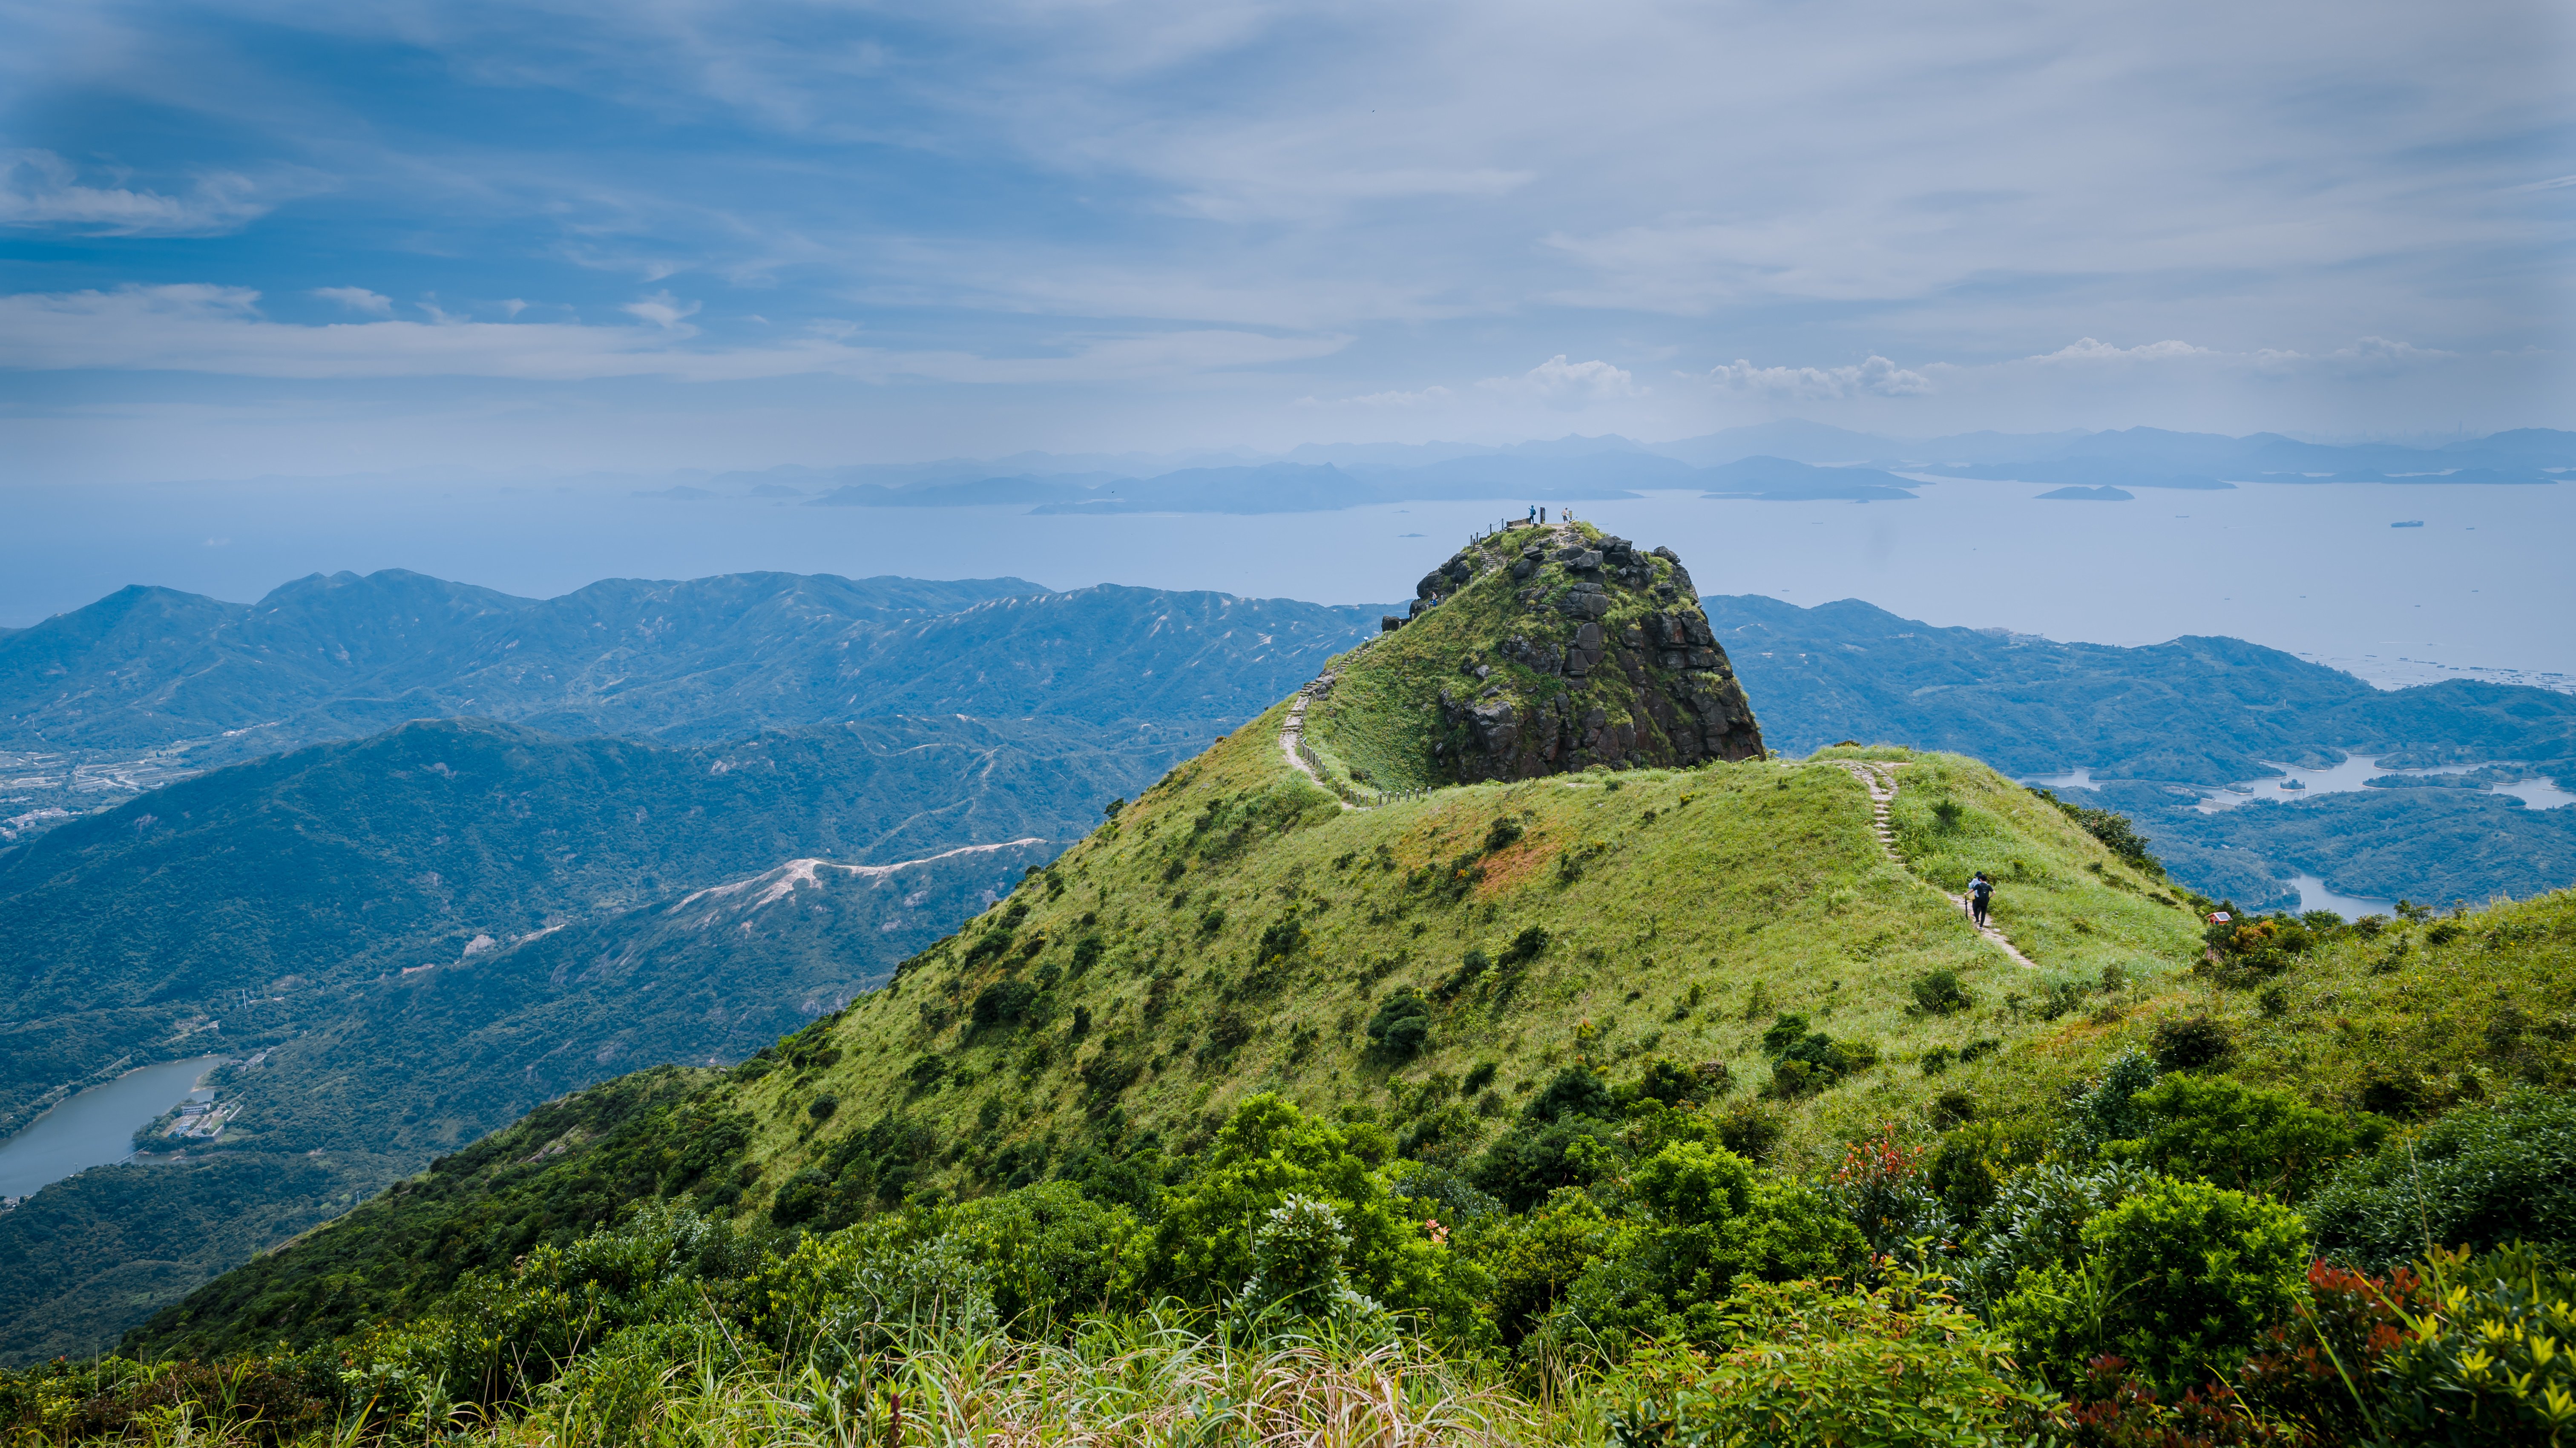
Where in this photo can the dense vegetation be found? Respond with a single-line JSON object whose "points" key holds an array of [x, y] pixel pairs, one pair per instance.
{"points": [[2209, 1226]]}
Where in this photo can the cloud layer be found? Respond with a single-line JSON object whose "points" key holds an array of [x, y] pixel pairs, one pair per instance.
{"points": [[1963, 215]]}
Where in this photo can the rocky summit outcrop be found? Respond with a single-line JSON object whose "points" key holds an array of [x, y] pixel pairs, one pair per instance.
{"points": [[1538, 651]]}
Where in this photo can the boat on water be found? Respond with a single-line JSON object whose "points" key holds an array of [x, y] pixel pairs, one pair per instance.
{"points": [[2415, 523], [2240, 789]]}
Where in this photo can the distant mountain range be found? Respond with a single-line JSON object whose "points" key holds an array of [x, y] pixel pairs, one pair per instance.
{"points": [[1786, 460], [712, 658], [2197, 712]]}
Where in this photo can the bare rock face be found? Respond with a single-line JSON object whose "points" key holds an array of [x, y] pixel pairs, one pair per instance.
{"points": [[1608, 661]]}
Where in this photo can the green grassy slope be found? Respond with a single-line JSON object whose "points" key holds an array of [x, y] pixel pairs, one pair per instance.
{"points": [[1240, 930]]}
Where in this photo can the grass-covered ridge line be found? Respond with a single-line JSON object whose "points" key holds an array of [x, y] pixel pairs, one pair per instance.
{"points": [[1234, 931]]}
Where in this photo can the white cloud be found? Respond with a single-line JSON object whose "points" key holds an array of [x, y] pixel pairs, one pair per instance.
{"points": [[359, 299], [2087, 349], [1873, 377], [197, 328], [662, 310], [39, 188], [1569, 385], [1426, 397], [2368, 355]]}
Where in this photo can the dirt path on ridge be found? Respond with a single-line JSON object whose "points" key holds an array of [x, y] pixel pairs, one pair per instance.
{"points": [[1880, 781], [1292, 736]]}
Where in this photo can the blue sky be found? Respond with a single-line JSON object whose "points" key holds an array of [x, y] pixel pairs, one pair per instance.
{"points": [[323, 238]]}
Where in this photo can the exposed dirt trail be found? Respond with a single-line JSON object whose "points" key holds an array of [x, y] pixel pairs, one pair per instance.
{"points": [[1292, 736], [1880, 781]]}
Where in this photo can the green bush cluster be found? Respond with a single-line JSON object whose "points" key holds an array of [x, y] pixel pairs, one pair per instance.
{"points": [[1805, 1061]]}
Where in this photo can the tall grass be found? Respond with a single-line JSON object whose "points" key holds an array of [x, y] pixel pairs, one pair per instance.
{"points": [[1165, 1379], [1151, 1380]]}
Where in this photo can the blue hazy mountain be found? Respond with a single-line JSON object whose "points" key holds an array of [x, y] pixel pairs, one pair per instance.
{"points": [[710, 658]]}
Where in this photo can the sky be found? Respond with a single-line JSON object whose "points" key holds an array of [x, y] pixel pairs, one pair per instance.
{"points": [[309, 239]]}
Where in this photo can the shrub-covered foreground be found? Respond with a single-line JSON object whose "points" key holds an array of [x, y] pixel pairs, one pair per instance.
{"points": [[2138, 1270]]}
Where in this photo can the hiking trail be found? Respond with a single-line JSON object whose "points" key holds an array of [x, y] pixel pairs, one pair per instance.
{"points": [[1292, 736], [1880, 781]]}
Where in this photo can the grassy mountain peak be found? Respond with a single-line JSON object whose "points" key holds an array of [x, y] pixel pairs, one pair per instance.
{"points": [[1530, 652]]}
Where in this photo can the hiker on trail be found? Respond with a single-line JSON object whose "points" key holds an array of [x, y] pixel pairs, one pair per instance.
{"points": [[1981, 893]]}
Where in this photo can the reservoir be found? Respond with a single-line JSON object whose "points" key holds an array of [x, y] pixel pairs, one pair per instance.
{"points": [[96, 1126]]}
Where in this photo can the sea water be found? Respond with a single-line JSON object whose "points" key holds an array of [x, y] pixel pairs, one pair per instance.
{"points": [[96, 1126], [2355, 773], [2310, 568]]}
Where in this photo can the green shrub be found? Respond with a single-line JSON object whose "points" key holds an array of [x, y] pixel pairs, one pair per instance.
{"points": [[2480, 1177], [1803, 1061], [1003, 1003], [1400, 1026], [1471, 967], [2180, 1280], [1896, 1366], [1201, 1249], [2107, 1110], [1751, 1129], [2242, 1137], [1572, 1091], [1531, 1258], [2485, 1358], [2192, 1043], [2036, 1218], [1967, 1171], [868, 1288], [2115, 832], [1667, 1081], [1714, 1220], [1539, 1156], [1941, 994], [1297, 1278], [1047, 1252]]}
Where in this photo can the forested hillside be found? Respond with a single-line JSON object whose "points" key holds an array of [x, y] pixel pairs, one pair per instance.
{"points": [[421, 935], [712, 658]]}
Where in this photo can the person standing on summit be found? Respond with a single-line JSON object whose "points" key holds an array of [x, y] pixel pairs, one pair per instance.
{"points": [[1981, 893]]}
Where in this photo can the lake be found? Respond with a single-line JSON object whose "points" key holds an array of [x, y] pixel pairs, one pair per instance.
{"points": [[96, 1126]]}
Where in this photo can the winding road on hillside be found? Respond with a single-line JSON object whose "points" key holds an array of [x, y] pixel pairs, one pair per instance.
{"points": [[1880, 781]]}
